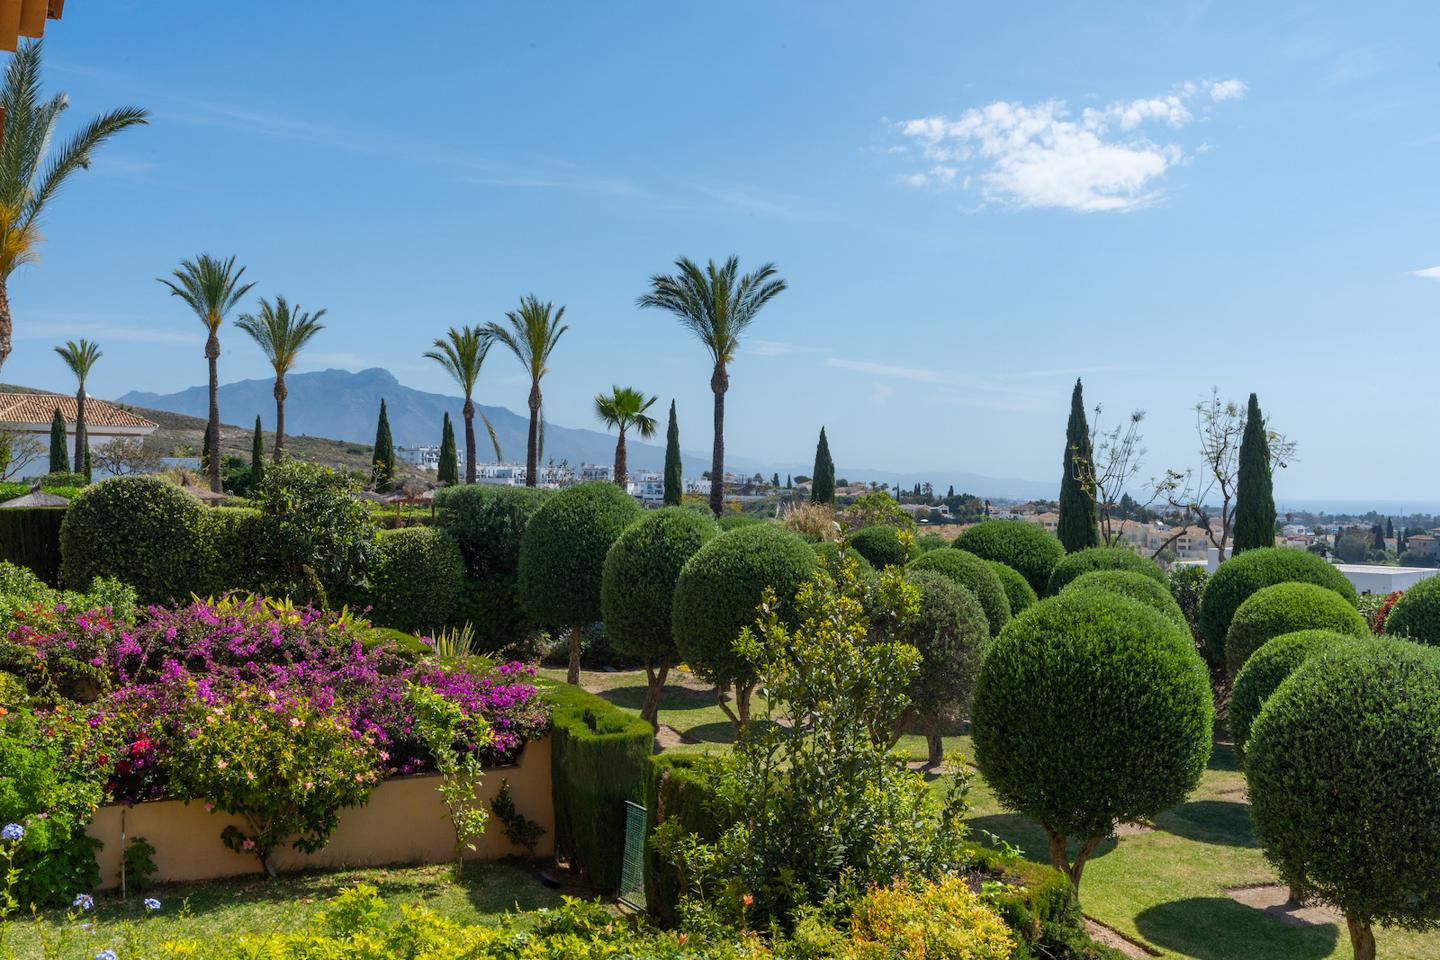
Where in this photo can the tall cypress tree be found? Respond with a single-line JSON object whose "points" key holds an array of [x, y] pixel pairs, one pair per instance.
{"points": [[257, 456], [384, 452], [1377, 532], [1390, 528], [1254, 497], [674, 471], [449, 469], [789, 483], [1078, 527], [59, 456], [822, 483]]}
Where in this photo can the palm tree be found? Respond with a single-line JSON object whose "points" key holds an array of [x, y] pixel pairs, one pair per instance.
{"points": [[624, 407], [28, 180], [462, 352], [211, 287], [281, 332], [533, 332], [80, 358], [717, 306]]}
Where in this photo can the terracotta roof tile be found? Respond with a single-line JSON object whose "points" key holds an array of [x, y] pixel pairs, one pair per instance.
{"points": [[39, 408]]}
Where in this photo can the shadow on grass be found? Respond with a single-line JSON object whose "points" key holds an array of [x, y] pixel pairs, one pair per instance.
{"points": [[1224, 822], [1218, 928], [673, 698], [1025, 834], [516, 888], [1223, 758]]}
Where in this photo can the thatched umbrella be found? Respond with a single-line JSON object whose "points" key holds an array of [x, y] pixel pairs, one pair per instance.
{"points": [[36, 498]]}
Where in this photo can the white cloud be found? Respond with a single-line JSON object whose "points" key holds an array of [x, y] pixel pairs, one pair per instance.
{"points": [[776, 348], [1040, 155], [917, 374], [1429, 273]]}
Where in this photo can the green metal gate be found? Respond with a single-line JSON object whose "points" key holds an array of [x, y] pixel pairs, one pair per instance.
{"points": [[632, 870]]}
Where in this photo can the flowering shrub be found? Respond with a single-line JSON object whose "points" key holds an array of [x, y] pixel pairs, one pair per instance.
{"points": [[286, 764], [56, 641], [943, 920]]}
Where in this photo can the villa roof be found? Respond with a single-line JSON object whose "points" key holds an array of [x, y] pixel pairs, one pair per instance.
{"points": [[26, 18], [36, 410]]}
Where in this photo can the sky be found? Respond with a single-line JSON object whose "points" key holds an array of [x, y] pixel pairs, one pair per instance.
{"points": [[973, 204]]}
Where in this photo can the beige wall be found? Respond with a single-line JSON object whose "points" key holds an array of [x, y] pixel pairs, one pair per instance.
{"points": [[404, 822]]}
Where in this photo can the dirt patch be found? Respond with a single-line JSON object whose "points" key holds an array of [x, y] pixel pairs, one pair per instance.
{"points": [[1133, 827], [1238, 794], [668, 737], [1274, 899], [1115, 940]]}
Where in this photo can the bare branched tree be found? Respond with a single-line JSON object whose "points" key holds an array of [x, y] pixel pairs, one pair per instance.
{"points": [[126, 455], [17, 451], [1115, 461]]}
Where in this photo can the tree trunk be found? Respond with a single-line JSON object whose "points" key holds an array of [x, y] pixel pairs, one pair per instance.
{"points": [[742, 709], [469, 411], [1060, 859], [532, 443], [212, 356], [81, 440], [654, 689], [280, 394], [7, 328], [572, 672], [1362, 939], [935, 746], [719, 383], [621, 467]]}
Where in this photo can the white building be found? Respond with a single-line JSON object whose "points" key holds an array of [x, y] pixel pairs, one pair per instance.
{"points": [[426, 458], [596, 471], [648, 488], [30, 414]]}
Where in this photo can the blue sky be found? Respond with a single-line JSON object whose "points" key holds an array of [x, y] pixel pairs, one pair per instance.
{"points": [[971, 205]]}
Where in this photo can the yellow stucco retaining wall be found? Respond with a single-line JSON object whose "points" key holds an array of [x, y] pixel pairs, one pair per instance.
{"points": [[404, 822]]}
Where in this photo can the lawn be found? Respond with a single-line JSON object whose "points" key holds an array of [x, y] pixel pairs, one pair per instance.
{"points": [[1165, 886], [227, 907]]}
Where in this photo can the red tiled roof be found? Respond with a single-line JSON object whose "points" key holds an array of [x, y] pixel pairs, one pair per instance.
{"points": [[37, 409]]}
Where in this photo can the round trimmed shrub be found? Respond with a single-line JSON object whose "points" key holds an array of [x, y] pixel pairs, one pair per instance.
{"points": [[720, 588], [141, 530], [952, 634], [488, 523], [1017, 588], [1286, 608], [1137, 586], [828, 551], [1343, 767], [1416, 615], [733, 520], [1252, 570], [1091, 709], [637, 591], [416, 580], [975, 575], [1081, 562], [1027, 547], [880, 545], [1266, 669]]}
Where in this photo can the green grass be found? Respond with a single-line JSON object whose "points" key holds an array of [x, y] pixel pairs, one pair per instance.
{"points": [[229, 907], [1164, 887]]}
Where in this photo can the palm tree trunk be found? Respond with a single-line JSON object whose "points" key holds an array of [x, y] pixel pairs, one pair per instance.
{"points": [[469, 411], [532, 444], [212, 356], [621, 466], [719, 383], [280, 394], [81, 440], [6, 326]]}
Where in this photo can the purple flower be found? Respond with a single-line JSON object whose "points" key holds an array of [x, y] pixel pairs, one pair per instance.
{"points": [[12, 832], [83, 902], [152, 904]]}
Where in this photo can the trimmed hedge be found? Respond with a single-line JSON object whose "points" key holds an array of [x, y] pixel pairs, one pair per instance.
{"points": [[598, 756], [488, 523], [952, 634], [1284, 608], [732, 520], [231, 534], [678, 787], [1251, 570], [416, 579], [30, 537], [141, 530], [975, 575], [1266, 669], [1416, 615], [1137, 586], [881, 546], [1343, 767], [492, 607], [1101, 558], [1027, 547], [562, 553], [1017, 589], [637, 592]]}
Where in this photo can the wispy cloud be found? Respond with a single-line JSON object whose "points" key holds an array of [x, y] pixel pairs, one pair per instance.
{"points": [[1429, 273], [1043, 155], [69, 326], [915, 374], [777, 348]]}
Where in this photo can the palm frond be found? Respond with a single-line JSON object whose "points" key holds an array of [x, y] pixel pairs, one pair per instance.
{"points": [[494, 437], [281, 331], [624, 408], [80, 357], [209, 286], [711, 302]]}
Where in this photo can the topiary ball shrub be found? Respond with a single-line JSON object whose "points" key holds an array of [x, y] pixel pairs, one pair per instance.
{"points": [[1017, 589], [718, 592], [1027, 547], [1343, 766], [1285, 608], [1081, 562], [416, 579], [562, 556], [1416, 615], [975, 575], [952, 634], [1252, 570], [733, 520], [1137, 586], [1091, 709], [1267, 667], [141, 530], [881, 546], [488, 523], [828, 551]]}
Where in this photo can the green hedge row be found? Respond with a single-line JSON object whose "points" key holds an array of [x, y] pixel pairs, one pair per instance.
{"points": [[598, 756], [677, 787], [30, 537]]}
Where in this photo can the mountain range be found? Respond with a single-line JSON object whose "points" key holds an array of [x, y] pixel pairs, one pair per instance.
{"points": [[343, 405]]}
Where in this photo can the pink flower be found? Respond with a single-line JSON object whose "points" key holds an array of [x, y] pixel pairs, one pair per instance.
{"points": [[248, 844], [221, 764]]}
